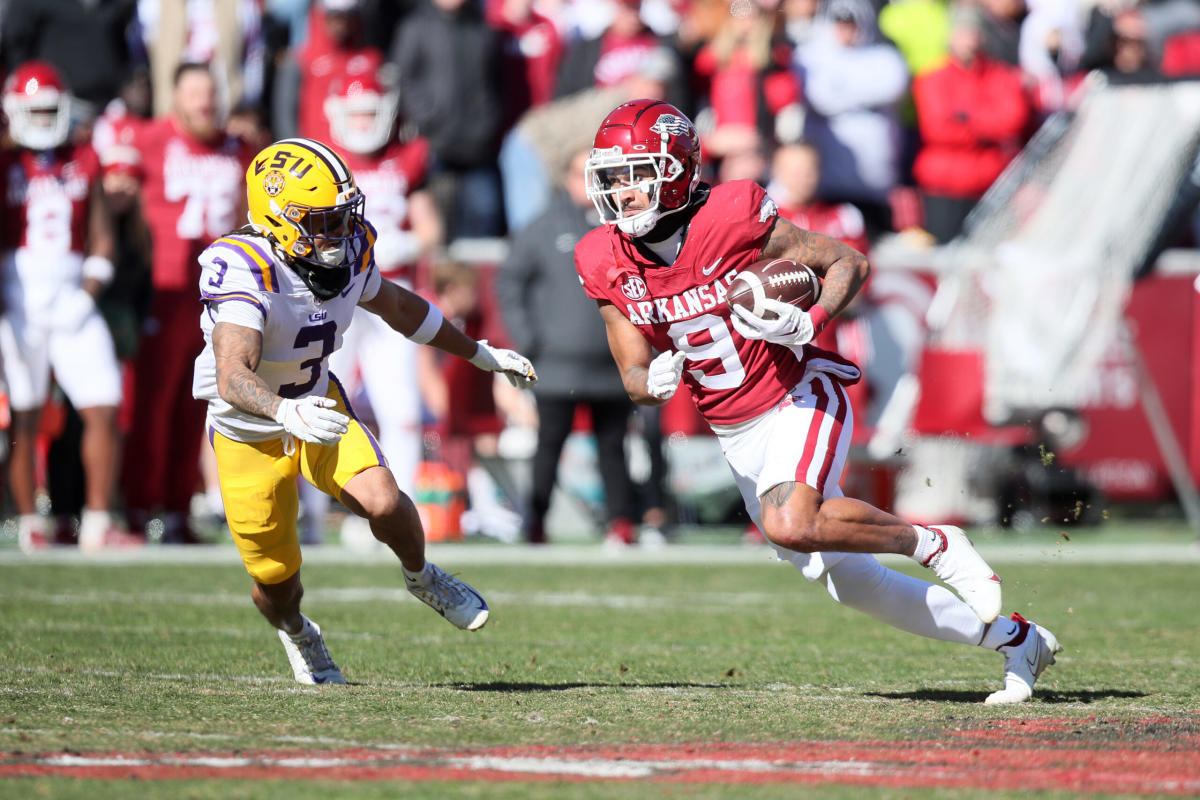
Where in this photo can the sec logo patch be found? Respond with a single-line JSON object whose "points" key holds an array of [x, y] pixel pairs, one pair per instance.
{"points": [[634, 288]]}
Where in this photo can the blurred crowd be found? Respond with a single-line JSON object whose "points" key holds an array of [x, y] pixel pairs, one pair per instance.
{"points": [[467, 120]]}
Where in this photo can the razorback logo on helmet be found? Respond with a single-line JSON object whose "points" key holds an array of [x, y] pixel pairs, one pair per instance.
{"points": [[634, 288], [671, 125]]}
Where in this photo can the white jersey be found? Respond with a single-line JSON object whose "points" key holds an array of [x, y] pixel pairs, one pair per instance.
{"points": [[244, 282]]}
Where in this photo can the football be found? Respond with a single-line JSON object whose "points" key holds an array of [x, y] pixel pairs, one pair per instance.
{"points": [[777, 279]]}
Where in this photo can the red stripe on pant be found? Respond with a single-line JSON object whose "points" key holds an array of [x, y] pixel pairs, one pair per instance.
{"points": [[824, 396], [835, 434]]}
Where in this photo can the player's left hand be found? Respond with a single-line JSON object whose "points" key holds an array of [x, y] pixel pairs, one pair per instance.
{"points": [[510, 363], [791, 327]]}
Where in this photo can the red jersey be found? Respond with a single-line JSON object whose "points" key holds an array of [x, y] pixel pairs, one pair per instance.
{"points": [[191, 196], [682, 306], [386, 179], [621, 56], [46, 199]]}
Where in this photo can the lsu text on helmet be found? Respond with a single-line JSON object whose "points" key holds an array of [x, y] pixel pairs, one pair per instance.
{"points": [[361, 111], [302, 196], [38, 106], [646, 146]]}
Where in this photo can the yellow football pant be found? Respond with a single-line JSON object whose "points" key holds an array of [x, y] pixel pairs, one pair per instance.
{"points": [[258, 486]]}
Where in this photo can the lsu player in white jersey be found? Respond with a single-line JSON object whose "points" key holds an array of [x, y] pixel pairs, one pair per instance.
{"points": [[278, 296]]}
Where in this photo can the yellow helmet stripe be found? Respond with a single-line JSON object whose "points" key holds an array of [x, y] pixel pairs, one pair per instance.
{"points": [[262, 267]]}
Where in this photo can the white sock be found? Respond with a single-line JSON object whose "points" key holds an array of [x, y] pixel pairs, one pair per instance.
{"points": [[306, 630], [862, 583], [928, 543], [420, 578], [92, 526], [90, 517], [1002, 631]]}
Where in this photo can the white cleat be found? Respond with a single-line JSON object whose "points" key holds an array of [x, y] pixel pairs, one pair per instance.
{"points": [[1024, 662], [957, 564], [455, 600], [310, 660]]}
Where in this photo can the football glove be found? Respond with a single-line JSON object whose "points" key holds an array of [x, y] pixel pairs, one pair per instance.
{"points": [[663, 374], [509, 363], [791, 328], [312, 419]]}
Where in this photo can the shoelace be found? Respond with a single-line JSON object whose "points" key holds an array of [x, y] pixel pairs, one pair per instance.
{"points": [[442, 587], [316, 654]]}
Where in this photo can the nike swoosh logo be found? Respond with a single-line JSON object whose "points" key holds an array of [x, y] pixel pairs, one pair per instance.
{"points": [[709, 271]]}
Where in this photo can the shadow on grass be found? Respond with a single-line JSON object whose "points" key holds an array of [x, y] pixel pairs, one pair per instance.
{"points": [[949, 696], [525, 686]]}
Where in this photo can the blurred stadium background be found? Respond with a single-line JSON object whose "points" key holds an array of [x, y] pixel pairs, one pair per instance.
{"points": [[1033, 354]]}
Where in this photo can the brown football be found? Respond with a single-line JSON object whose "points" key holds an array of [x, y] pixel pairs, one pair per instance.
{"points": [[777, 279]]}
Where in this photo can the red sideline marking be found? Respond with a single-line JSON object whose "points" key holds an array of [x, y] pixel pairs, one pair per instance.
{"points": [[1008, 754]]}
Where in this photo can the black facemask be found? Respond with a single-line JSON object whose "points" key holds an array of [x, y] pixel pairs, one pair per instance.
{"points": [[324, 282]]}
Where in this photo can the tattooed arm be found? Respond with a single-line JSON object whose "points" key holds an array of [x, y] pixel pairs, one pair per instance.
{"points": [[237, 350], [632, 353], [843, 269]]}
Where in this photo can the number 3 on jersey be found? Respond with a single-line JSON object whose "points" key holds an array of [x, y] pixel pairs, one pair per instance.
{"points": [[719, 346], [326, 334]]}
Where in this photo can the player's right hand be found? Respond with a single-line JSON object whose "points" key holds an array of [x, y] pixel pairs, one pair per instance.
{"points": [[663, 374], [791, 326], [312, 419]]}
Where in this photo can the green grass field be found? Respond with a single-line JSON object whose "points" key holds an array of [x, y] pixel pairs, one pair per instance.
{"points": [[700, 646]]}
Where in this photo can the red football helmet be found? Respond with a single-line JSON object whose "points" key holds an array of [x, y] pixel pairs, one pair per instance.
{"points": [[648, 146], [361, 111], [38, 106]]}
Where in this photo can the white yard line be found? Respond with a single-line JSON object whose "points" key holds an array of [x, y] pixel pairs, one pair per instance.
{"points": [[714, 601], [1079, 551]]}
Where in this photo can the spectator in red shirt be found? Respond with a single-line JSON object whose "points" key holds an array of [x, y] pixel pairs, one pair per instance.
{"points": [[972, 114], [795, 175], [612, 57], [745, 72], [530, 49], [192, 195], [334, 52]]}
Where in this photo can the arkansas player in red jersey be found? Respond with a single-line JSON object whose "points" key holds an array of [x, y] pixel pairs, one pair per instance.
{"points": [[192, 194], [57, 252], [660, 271]]}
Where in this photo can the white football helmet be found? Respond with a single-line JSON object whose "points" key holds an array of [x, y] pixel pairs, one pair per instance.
{"points": [[38, 106], [362, 113]]}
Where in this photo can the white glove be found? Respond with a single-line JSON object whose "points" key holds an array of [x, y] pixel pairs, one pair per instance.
{"points": [[72, 311], [510, 363], [312, 419], [663, 374], [791, 328]]}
